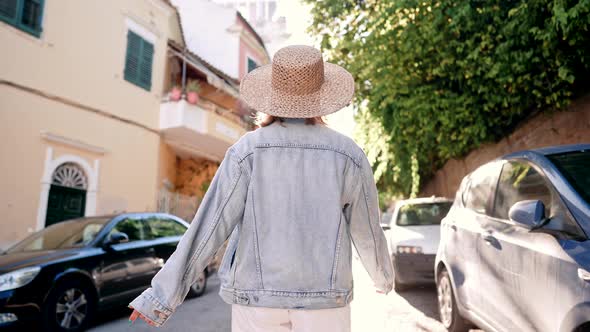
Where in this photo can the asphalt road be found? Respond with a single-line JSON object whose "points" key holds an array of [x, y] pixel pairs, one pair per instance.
{"points": [[203, 314], [412, 310]]}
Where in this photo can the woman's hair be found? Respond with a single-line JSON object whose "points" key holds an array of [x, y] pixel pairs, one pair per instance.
{"points": [[263, 120]]}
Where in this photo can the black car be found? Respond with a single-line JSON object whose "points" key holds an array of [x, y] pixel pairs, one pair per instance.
{"points": [[61, 275]]}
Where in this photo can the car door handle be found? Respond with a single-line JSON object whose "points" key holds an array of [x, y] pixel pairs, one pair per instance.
{"points": [[489, 239], [453, 227]]}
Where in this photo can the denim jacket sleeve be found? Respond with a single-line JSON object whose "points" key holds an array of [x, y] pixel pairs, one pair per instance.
{"points": [[220, 211], [365, 229]]}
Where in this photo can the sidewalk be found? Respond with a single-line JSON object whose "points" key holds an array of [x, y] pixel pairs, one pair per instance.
{"points": [[414, 310]]}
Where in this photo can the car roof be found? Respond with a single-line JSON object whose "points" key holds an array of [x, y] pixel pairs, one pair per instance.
{"points": [[549, 150], [425, 200], [130, 214]]}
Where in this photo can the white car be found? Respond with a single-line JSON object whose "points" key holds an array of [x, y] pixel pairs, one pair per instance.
{"points": [[413, 235]]}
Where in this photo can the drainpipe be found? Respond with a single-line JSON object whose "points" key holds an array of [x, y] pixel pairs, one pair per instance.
{"points": [[184, 71]]}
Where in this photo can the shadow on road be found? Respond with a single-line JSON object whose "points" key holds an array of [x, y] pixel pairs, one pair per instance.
{"points": [[122, 311], [424, 299], [111, 314]]}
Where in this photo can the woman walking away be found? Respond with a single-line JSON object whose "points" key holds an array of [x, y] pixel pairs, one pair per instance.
{"points": [[292, 197]]}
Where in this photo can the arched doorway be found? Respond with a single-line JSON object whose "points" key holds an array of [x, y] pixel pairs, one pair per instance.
{"points": [[67, 194]]}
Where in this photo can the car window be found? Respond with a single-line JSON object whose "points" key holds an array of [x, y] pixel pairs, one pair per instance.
{"points": [[161, 227], [66, 234], [519, 181], [480, 188], [575, 166], [422, 214], [133, 227]]}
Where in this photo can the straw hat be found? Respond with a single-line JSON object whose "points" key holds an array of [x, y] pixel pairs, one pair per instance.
{"points": [[297, 84]]}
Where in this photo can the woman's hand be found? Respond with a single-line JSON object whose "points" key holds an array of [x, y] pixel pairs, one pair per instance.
{"points": [[136, 314]]}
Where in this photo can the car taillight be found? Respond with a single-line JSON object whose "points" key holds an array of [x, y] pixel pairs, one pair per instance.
{"points": [[409, 250]]}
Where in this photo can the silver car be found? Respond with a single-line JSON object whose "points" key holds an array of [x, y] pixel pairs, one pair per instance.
{"points": [[514, 253]]}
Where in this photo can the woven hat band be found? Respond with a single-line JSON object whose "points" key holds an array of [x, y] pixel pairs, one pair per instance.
{"points": [[298, 78]]}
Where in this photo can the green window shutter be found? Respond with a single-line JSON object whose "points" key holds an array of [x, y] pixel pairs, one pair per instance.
{"points": [[252, 65], [9, 11], [25, 15], [138, 61], [145, 67], [31, 14], [132, 57]]}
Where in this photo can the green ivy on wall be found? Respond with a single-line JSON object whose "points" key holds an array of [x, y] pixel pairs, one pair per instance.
{"points": [[435, 79]]}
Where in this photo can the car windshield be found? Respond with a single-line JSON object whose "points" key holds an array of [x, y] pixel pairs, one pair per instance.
{"points": [[575, 166], [67, 234], [422, 214]]}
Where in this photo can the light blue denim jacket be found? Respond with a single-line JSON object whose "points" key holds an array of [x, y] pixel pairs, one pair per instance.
{"points": [[292, 199]]}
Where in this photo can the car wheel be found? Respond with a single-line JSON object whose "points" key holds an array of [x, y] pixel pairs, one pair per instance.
{"points": [[198, 288], [583, 328], [70, 306], [447, 305], [398, 286]]}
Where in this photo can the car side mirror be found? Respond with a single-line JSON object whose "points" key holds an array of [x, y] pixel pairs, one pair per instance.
{"points": [[385, 226], [117, 237], [530, 213]]}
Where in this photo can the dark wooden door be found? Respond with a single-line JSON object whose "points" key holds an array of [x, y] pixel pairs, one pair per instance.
{"points": [[64, 203]]}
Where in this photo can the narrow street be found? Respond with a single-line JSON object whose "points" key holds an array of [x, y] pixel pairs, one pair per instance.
{"points": [[204, 314], [413, 310]]}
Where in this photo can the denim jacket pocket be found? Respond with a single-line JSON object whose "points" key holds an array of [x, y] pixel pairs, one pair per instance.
{"points": [[226, 266]]}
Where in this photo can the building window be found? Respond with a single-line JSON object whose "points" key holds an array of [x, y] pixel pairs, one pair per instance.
{"points": [[138, 61], [252, 65], [25, 15]]}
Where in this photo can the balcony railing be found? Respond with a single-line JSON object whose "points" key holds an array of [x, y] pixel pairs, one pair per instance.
{"points": [[200, 130]]}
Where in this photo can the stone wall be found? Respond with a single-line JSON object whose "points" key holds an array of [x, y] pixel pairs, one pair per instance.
{"points": [[194, 176], [546, 129]]}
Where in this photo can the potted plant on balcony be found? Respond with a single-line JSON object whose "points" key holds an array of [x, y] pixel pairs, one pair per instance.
{"points": [[175, 93], [192, 91]]}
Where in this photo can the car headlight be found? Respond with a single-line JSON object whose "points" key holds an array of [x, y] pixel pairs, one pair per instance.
{"points": [[18, 278], [409, 250]]}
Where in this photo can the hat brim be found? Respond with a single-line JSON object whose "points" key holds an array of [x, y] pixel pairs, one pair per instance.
{"points": [[335, 93]]}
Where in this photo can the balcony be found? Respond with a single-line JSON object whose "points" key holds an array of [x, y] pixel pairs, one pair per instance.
{"points": [[198, 130]]}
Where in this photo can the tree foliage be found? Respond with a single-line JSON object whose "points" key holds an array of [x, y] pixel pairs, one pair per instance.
{"points": [[435, 79]]}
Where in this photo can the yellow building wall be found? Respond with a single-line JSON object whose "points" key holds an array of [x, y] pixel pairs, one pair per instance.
{"points": [[167, 166], [175, 32], [80, 57], [128, 168]]}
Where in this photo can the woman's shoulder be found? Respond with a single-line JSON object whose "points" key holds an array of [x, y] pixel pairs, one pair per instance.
{"points": [[307, 135]]}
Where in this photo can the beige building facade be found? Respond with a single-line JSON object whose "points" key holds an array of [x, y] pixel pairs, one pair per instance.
{"points": [[86, 125]]}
